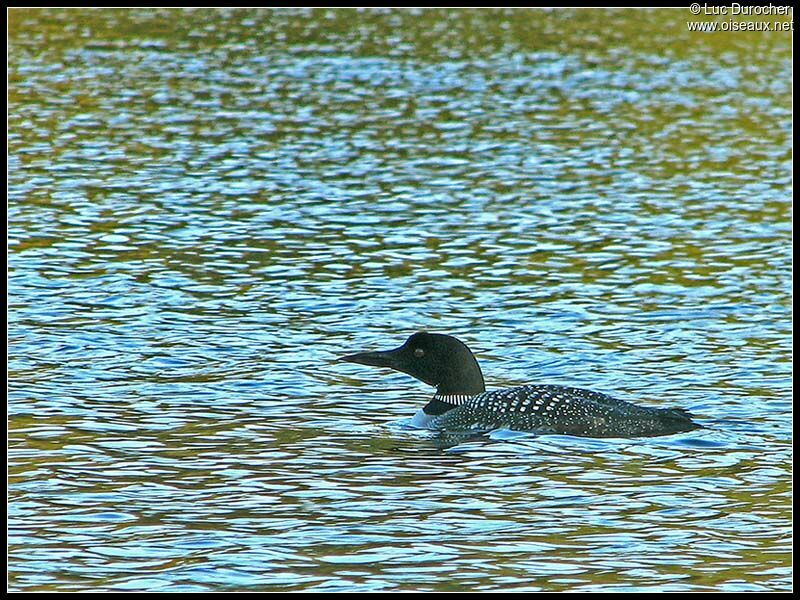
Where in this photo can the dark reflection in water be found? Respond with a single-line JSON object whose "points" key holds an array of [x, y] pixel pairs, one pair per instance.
{"points": [[206, 207]]}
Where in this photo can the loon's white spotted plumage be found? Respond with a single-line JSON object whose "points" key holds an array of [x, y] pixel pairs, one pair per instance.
{"points": [[556, 409], [462, 404]]}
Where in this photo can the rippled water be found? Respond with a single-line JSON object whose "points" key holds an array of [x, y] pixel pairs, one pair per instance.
{"points": [[207, 207]]}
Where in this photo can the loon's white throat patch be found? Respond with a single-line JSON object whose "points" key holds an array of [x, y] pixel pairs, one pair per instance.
{"points": [[422, 420]]}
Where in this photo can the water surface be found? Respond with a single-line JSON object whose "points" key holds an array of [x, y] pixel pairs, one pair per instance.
{"points": [[205, 208]]}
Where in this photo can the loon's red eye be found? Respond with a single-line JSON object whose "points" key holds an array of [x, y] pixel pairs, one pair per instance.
{"points": [[419, 352]]}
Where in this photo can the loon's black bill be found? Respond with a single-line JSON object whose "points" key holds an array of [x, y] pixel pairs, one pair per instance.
{"points": [[372, 359]]}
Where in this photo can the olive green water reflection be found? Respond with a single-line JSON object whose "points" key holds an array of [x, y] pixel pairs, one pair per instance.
{"points": [[205, 207]]}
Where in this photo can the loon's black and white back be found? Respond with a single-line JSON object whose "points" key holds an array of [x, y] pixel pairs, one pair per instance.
{"points": [[461, 402]]}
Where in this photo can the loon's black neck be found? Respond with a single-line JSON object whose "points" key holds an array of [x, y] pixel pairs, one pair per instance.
{"points": [[456, 372], [460, 376]]}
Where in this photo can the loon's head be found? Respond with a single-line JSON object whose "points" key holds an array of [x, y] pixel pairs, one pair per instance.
{"points": [[438, 360]]}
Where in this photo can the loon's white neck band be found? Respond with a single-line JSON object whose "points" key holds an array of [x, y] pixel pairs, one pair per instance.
{"points": [[454, 399]]}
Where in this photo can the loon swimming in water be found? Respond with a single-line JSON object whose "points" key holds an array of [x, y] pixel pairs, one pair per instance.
{"points": [[461, 402]]}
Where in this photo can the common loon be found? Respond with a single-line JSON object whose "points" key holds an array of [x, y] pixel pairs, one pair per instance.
{"points": [[461, 402]]}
